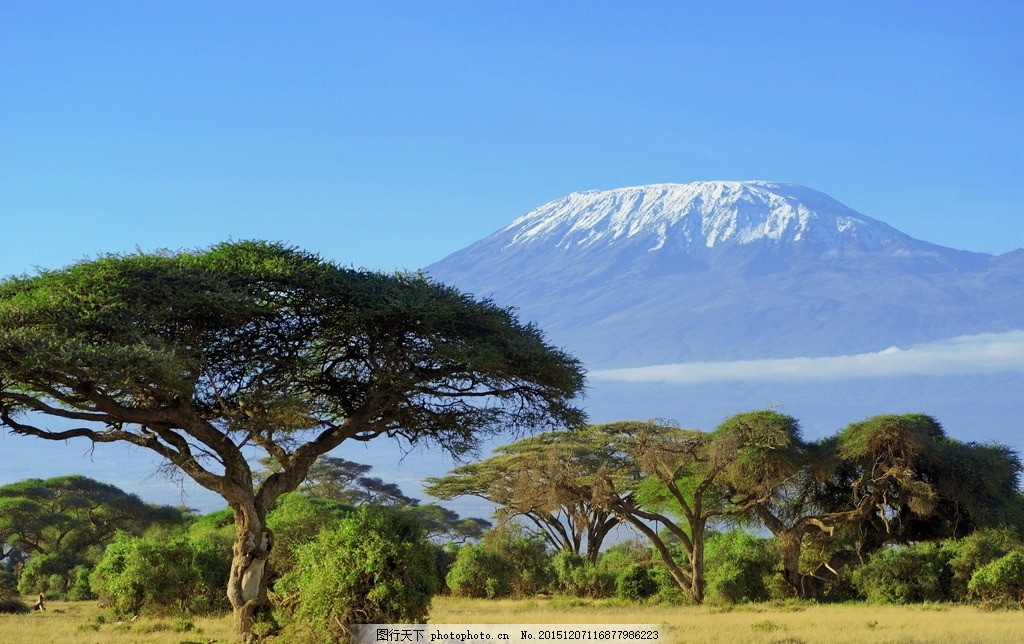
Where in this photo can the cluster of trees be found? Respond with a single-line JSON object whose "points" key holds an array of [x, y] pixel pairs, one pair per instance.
{"points": [[53, 531], [831, 505]]}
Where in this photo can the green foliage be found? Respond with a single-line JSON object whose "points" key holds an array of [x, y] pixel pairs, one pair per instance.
{"points": [[478, 572], [577, 576], [635, 583], [975, 550], [740, 567], [296, 520], [178, 575], [79, 586], [45, 574], [374, 566], [1000, 582], [906, 574]]}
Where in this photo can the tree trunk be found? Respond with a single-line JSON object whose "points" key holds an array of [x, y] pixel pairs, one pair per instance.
{"points": [[789, 547], [697, 582], [247, 582]]}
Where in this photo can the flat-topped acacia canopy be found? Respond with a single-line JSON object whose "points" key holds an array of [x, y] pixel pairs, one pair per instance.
{"points": [[195, 354]]}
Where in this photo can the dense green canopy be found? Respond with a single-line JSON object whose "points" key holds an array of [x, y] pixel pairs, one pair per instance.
{"points": [[196, 355]]}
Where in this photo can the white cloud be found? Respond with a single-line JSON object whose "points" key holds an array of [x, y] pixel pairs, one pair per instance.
{"points": [[982, 353]]}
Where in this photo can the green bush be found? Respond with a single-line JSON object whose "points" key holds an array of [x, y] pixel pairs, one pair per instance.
{"points": [[295, 520], [374, 566], [529, 559], [177, 575], [479, 573], [635, 583], [906, 574], [975, 550], [739, 567], [45, 574], [1000, 582], [576, 576]]}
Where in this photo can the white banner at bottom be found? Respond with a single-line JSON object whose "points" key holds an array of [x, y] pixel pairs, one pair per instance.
{"points": [[477, 633]]}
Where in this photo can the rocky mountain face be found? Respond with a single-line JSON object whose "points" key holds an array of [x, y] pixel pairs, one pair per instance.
{"points": [[731, 270]]}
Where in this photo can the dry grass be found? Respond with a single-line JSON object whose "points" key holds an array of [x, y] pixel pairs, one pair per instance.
{"points": [[76, 622], [85, 623], [758, 623]]}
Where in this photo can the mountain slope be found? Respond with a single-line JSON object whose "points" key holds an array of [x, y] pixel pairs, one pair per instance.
{"points": [[729, 270]]}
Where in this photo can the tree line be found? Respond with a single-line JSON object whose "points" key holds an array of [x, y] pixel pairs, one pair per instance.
{"points": [[830, 504]]}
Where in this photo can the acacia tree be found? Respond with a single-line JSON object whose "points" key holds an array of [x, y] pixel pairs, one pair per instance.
{"points": [[660, 475], [344, 481], [888, 479], [195, 355], [540, 478], [69, 514]]}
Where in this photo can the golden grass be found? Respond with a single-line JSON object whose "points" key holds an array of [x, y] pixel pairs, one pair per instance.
{"points": [[80, 623], [76, 623], [833, 624]]}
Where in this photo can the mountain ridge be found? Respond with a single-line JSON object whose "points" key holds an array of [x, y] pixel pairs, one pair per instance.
{"points": [[731, 270]]}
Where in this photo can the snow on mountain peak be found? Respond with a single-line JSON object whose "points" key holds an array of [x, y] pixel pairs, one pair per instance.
{"points": [[691, 215]]}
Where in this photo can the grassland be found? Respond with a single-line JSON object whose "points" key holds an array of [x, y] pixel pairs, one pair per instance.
{"points": [[79, 622]]}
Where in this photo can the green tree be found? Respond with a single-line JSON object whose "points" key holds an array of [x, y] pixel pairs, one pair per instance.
{"points": [[888, 479], [658, 475], [197, 355], [540, 479]]}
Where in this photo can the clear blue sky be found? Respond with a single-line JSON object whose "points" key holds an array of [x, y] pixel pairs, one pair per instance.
{"points": [[390, 134]]}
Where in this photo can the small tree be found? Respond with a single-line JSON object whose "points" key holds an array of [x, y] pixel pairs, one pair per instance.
{"points": [[196, 355]]}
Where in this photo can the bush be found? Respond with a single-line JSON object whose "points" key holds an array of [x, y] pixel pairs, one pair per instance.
{"points": [[906, 574], [528, 558], [177, 575], [975, 550], [45, 574], [1000, 582], [374, 566], [79, 587], [740, 567], [576, 576], [479, 573], [635, 583], [295, 520]]}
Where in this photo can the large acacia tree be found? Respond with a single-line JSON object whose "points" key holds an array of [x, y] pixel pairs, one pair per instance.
{"points": [[196, 355]]}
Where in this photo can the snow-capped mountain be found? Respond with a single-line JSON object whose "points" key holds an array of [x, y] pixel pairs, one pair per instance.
{"points": [[708, 214], [724, 270]]}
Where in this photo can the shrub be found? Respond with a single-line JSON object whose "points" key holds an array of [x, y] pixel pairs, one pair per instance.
{"points": [[1000, 582], [44, 574], [635, 583], [178, 575], [528, 557], [374, 566], [79, 588], [975, 550], [576, 576], [740, 567], [478, 573], [906, 574], [296, 520]]}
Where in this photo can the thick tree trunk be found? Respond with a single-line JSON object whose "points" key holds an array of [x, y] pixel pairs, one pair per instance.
{"points": [[697, 582], [789, 547], [247, 583]]}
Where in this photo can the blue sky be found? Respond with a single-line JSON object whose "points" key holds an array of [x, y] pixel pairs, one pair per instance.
{"points": [[390, 134]]}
